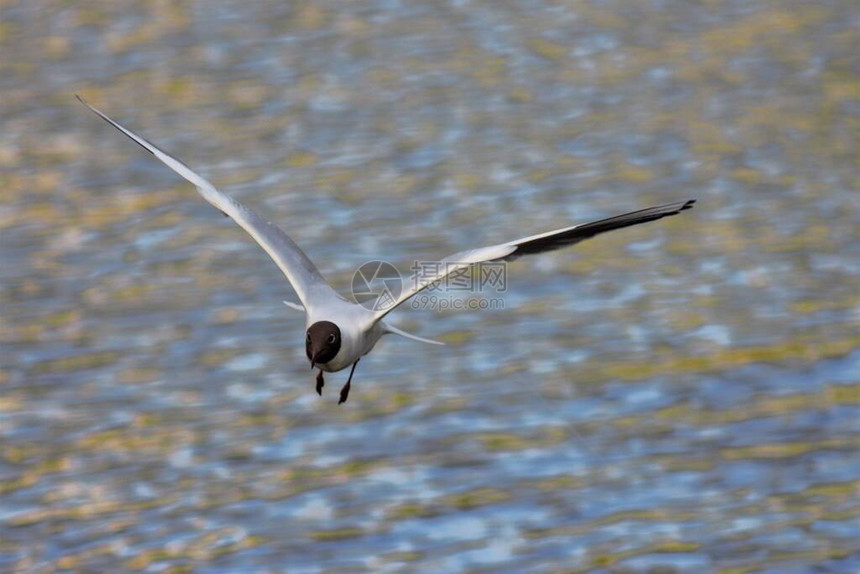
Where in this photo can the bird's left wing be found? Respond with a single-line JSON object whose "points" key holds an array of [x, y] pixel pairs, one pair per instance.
{"points": [[307, 281], [540, 243]]}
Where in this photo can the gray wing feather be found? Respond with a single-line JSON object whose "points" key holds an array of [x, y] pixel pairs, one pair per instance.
{"points": [[540, 243], [566, 236], [307, 281]]}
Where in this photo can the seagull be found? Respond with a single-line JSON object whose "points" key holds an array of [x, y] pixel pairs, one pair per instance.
{"points": [[339, 332]]}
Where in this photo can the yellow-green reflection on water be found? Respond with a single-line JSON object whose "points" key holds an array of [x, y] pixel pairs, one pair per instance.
{"points": [[680, 396]]}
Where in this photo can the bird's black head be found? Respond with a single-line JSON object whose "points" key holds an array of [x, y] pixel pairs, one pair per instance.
{"points": [[322, 342]]}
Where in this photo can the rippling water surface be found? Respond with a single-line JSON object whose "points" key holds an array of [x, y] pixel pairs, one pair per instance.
{"points": [[682, 396]]}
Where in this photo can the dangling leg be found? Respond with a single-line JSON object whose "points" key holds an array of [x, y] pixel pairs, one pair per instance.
{"points": [[344, 392], [320, 383]]}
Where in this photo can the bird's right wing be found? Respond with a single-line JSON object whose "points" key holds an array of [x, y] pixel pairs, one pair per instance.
{"points": [[307, 281], [539, 243]]}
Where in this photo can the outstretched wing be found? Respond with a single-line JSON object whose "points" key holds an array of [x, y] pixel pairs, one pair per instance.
{"points": [[540, 243], [305, 278]]}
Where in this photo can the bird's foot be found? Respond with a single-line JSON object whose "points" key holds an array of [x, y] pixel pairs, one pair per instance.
{"points": [[320, 383], [344, 393]]}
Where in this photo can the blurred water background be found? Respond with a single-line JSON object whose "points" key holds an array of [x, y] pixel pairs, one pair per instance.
{"points": [[682, 396]]}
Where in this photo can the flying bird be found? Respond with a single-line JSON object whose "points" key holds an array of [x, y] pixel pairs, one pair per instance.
{"points": [[340, 332]]}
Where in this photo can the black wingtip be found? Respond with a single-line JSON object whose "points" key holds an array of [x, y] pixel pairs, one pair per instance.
{"points": [[688, 204]]}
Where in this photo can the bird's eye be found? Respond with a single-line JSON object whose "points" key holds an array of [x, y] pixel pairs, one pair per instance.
{"points": [[308, 338], [331, 338]]}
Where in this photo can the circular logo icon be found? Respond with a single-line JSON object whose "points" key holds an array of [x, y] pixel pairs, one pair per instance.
{"points": [[376, 285]]}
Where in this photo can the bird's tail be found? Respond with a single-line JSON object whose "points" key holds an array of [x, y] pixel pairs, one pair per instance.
{"points": [[395, 331]]}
